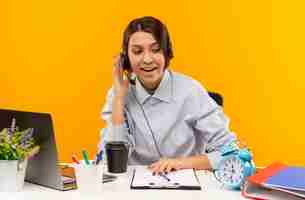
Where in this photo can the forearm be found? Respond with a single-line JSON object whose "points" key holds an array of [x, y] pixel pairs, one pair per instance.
{"points": [[118, 111], [118, 125]]}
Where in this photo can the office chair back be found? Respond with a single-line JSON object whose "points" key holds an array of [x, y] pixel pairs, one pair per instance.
{"points": [[216, 97]]}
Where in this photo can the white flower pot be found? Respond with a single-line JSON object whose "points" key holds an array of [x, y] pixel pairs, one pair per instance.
{"points": [[12, 173]]}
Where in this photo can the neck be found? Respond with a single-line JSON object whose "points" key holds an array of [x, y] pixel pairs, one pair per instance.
{"points": [[150, 88], [150, 91]]}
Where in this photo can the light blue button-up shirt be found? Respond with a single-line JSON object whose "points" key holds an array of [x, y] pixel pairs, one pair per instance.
{"points": [[184, 121]]}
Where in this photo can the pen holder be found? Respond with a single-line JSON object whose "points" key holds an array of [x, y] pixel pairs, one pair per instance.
{"points": [[89, 178]]}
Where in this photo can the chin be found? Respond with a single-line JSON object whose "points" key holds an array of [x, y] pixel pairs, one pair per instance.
{"points": [[151, 83]]}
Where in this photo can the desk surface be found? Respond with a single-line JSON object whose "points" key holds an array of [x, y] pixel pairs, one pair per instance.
{"points": [[119, 189]]}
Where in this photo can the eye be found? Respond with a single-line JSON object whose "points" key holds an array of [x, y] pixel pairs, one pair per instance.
{"points": [[136, 51], [156, 50]]}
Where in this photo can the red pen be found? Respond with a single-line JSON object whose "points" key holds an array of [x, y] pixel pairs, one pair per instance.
{"points": [[74, 158]]}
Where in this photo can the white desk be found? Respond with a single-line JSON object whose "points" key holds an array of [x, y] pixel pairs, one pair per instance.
{"points": [[120, 190]]}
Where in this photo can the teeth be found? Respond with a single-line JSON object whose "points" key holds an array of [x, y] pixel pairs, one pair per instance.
{"points": [[148, 69]]}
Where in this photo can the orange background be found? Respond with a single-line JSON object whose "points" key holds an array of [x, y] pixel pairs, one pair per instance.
{"points": [[56, 57]]}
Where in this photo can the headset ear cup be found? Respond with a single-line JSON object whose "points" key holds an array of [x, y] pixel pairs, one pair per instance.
{"points": [[125, 61]]}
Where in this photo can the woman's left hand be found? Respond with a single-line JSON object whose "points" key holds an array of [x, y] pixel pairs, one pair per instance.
{"points": [[166, 165]]}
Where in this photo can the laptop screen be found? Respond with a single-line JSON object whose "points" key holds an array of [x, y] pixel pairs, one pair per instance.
{"points": [[42, 168]]}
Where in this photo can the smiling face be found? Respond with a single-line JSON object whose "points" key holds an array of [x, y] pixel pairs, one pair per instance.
{"points": [[146, 59]]}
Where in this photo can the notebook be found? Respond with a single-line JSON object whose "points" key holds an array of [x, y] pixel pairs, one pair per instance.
{"points": [[182, 179], [254, 191], [278, 176]]}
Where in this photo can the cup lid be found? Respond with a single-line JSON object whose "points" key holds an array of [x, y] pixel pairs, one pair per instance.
{"points": [[116, 144]]}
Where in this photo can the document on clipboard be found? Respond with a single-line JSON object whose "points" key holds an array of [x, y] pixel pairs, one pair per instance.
{"points": [[185, 179]]}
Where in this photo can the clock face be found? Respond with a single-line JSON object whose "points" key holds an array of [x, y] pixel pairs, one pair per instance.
{"points": [[231, 171]]}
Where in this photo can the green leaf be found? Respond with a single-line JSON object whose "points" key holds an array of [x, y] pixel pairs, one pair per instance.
{"points": [[11, 148]]}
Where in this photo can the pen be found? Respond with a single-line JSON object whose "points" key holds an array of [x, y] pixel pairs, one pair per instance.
{"points": [[74, 159], [85, 156], [99, 157], [164, 176]]}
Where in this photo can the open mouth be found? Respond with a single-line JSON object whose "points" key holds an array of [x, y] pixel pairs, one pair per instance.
{"points": [[149, 70]]}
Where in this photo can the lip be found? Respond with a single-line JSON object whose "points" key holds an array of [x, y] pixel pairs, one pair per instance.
{"points": [[149, 69]]}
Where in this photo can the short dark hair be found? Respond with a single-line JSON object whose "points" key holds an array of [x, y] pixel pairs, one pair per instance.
{"points": [[156, 28]]}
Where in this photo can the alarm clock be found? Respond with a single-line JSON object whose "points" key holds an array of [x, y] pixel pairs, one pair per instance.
{"points": [[235, 166]]}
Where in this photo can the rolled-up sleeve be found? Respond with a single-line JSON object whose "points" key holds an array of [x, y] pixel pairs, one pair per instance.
{"points": [[112, 132], [211, 122]]}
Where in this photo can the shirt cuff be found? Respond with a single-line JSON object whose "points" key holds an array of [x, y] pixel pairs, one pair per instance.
{"points": [[120, 133], [214, 158]]}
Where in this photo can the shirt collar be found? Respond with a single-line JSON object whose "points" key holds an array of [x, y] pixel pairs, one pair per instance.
{"points": [[163, 92]]}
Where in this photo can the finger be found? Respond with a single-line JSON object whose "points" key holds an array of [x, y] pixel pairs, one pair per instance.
{"points": [[115, 71], [116, 60], [163, 167], [160, 165], [117, 79], [160, 168], [125, 83], [116, 63], [155, 167], [152, 166], [169, 168], [117, 74]]}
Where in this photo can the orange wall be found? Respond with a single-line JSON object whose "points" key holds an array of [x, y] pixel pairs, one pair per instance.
{"points": [[56, 56]]}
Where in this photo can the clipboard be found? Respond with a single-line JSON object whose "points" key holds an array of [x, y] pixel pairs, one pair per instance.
{"points": [[185, 179]]}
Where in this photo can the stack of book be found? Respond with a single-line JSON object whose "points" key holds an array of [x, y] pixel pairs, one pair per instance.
{"points": [[68, 177], [277, 181]]}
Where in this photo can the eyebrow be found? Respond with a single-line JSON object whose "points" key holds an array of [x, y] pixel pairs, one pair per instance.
{"points": [[139, 46]]}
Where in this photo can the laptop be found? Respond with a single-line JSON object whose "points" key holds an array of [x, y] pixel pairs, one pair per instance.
{"points": [[43, 168]]}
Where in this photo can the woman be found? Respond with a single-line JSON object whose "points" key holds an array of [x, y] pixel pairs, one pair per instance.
{"points": [[168, 118]]}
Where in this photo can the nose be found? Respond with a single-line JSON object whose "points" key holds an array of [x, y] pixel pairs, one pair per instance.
{"points": [[147, 59]]}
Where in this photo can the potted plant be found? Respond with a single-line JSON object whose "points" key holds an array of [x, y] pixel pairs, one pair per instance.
{"points": [[15, 148]]}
